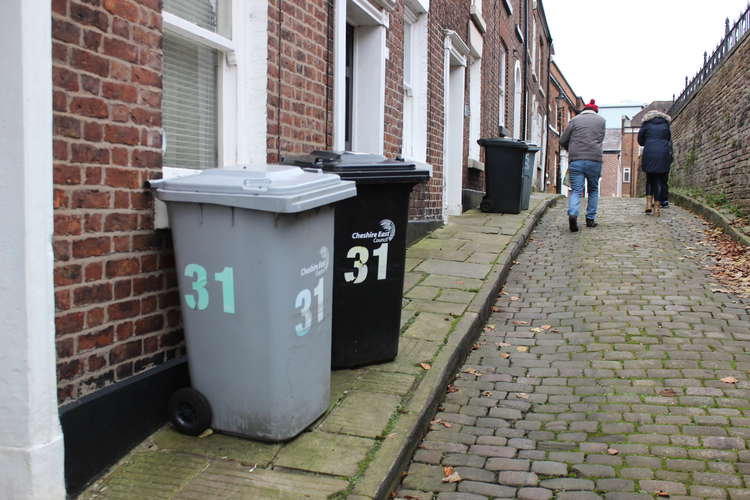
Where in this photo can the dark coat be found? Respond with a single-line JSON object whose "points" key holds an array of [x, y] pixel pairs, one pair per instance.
{"points": [[656, 139]]}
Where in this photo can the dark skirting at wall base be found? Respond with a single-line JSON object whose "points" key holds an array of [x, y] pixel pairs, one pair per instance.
{"points": [[101, 428], [418, 229]]}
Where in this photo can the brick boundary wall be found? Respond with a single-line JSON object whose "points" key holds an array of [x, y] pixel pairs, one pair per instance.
{"points": [[117, 309], [711, 134]]}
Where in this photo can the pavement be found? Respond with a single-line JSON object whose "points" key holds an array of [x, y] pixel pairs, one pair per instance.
{"points": [[612, 367], [377, 414]]}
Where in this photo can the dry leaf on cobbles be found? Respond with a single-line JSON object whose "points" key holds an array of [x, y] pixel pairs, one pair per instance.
{"points": [[536, 330], [496, 309], [522, 348], [668, 393], [439, 421], [425, 366], [522, 395], [555, 330], [206, 433], [487, 394], [452, 388], [489, 328], [514, 298], [472, 371], [519, 322], [661, 493], [546, 327], [613, 451], [504, 355], [729, 380], [503, 344], [450, 476]]}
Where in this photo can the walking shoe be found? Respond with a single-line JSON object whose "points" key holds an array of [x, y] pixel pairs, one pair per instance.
{"points": [[591, 223], [665, 204], [573, 223]]}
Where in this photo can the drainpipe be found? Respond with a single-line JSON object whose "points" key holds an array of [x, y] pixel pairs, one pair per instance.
{"points": [[546, 113]]}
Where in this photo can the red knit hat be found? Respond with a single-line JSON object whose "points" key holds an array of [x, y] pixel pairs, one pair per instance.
{"points": [[592, 106]]}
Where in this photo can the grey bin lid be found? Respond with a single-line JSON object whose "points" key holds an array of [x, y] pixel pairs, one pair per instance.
{"points": [[533, 148], [498, 142], [282, 189]]}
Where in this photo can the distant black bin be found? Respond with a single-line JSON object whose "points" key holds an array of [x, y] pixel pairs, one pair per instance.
{"points": [[504, 164], [369, 253]]}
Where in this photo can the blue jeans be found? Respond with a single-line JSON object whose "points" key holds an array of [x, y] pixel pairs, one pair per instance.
{"points": [[590, 171]]}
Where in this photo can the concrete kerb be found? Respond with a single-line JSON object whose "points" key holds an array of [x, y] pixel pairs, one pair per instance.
{"points": [[711, 214], [423, 404]]}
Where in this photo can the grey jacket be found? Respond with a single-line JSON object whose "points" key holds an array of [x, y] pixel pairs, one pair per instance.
{"points": [[583, 137]]}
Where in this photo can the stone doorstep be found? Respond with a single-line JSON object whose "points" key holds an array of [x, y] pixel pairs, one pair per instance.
{"points": [[377, 414]]}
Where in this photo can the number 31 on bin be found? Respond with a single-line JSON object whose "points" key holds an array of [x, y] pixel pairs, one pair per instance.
{"points": [[361, 255], [199, 299]]}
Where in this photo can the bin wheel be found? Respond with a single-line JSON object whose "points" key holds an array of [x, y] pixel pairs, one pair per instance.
{"points": [[485, 205], [189, 411]]}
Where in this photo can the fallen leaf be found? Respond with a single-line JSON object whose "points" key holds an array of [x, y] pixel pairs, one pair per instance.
{"points": [[491, 327], [487, 394], [438, 421], [514, 298], [729, 380], [555, 330], [522, 395], [472, 371], [504, 355], [522, 348], [452, 388], [252, 469], [206, 433], [546, 327], [450, 476], [613, 451], [425, 366], [505, 344], [518, 322], [668, 393], [496, 309], [536, 330], [661, 493]]}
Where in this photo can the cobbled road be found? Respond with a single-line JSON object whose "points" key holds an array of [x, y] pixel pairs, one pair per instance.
{"points": [[599, 373]]}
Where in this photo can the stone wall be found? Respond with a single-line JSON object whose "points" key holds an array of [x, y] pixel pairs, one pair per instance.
{"points": [[711, 134]]}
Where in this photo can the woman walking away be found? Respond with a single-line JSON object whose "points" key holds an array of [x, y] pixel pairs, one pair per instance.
{"points": [[656, 139]]}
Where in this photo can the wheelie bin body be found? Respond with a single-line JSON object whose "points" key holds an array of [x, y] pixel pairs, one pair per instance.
{"points": [[504, 161], [253, 257], [370, 254]]}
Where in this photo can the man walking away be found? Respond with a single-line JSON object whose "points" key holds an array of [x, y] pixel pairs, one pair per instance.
{"points": [[583, 139]]}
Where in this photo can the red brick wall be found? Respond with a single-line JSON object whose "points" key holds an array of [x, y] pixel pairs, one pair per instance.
{"points": [[610, 166], [394, 85], [116, 304], [631, 158], [300, 76]]}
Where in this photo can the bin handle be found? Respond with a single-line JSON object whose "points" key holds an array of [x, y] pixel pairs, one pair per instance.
{"points": [[256, 185]]}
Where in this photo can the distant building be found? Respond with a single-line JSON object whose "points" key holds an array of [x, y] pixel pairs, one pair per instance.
{"points": [[611, 179]]}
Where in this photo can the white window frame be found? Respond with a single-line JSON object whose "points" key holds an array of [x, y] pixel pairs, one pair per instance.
{"points": [[368, 79], [242, 78], [476, 48], [242, 86], [454, 70], [414, 134], [517, 96], [626, 175]]}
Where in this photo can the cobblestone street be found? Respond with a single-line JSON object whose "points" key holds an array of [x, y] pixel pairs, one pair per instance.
{"points": [[599, 373]]}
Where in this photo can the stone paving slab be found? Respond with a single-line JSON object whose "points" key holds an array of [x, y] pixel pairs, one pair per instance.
{"points": [[359, 447], [610, 368]]}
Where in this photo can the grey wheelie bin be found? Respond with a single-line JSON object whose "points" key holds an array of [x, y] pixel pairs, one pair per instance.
{"points": [[528, 174], [253, 255]]}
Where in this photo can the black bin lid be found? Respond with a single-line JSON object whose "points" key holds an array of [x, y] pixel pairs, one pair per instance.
{"points": [[500, 142], [362, 167]]}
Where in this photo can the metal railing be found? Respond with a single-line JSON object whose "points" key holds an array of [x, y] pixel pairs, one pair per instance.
{"points": [[733, 37]]}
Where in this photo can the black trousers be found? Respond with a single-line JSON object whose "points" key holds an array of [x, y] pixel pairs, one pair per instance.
{"points": [[656, 186]]}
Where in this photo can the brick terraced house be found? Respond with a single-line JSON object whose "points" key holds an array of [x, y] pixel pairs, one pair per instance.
{"points": [[103, 95]]}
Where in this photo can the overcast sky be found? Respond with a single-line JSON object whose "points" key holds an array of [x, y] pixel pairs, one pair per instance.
{"points": [[635, 50]]}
